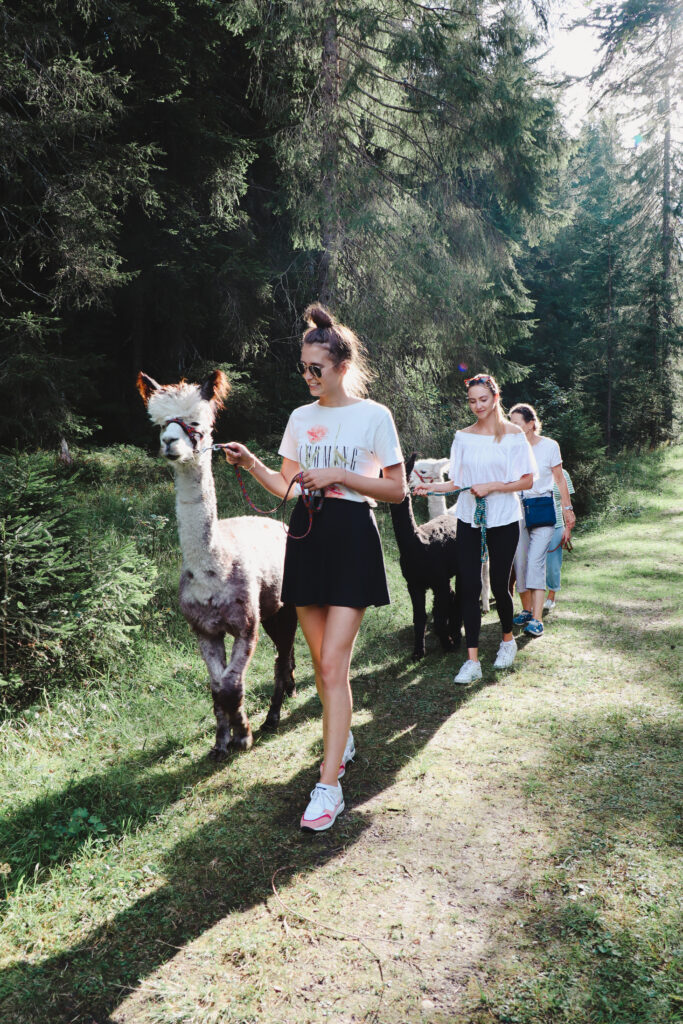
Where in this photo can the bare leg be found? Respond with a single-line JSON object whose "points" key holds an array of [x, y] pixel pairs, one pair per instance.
{"points": [[331, 633], [551, 595], [536, 603]]}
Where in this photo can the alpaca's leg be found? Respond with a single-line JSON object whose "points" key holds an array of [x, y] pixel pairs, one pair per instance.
{"points": [[485, 587], [230, 696], [442, 592], [418, 596], [212, 650], [281, 628], [227, 688], [454, 617]]}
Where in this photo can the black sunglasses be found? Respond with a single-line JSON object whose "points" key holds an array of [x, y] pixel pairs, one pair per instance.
{"points": [[317, 371]]}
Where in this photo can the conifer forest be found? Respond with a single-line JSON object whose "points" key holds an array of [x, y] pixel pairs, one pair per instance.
{"points": [[180, 179]]}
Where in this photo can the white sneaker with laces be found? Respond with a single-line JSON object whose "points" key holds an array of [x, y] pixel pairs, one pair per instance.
{"points": [[548, 605], [507, 653], [326, 804], [469, 673], [348, 755]]}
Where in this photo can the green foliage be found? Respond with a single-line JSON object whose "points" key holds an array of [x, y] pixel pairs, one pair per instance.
{"points": [[71, 595]]}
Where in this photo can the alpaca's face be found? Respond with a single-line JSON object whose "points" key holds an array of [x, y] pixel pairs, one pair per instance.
{"points": [[181, 401], [428, 471], [195, 404]]}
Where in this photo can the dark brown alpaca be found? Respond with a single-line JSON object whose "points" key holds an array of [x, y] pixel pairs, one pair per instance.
{"points": [[232, 568], [427, 558]]}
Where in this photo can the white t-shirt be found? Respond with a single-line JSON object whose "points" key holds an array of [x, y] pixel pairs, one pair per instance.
{"points": [[480, 459], [360, 437], [547, 454]]}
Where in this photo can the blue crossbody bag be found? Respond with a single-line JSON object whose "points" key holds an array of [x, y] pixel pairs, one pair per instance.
{"points": [[538, 511]]}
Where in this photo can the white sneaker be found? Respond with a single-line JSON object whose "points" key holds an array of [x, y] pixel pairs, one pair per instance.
{"points": [[548, 605], [348, 755], [469, 673], [327, 802], [507, 653]]}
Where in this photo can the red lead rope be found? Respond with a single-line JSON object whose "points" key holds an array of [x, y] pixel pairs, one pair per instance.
{"points": [[311, 504]]}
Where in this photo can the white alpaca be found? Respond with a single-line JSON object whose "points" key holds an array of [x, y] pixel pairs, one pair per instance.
{"points": [[433, 471], [232, 568]]}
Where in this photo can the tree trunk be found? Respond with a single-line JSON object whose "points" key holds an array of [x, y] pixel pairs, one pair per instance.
{"points": [[330, 228], [610, 346], [667, 324]]}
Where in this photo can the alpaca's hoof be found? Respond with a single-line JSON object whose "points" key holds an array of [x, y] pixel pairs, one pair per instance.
{"points": [[291, 689], [218, 754], [418, 655], [243, 742], [272, 721]]}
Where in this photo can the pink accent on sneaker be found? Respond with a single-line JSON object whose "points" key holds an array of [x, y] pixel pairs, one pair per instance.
{"points": [[327, 818]]}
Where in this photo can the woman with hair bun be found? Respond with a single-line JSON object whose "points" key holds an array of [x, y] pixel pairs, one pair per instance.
{"points": [[340, 441], [534, 542], [491, 460]]}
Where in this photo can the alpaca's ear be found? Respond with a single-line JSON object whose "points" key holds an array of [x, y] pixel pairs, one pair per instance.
{"points": [[147, 386], [215, 389], [441, 465], [410, 462]]}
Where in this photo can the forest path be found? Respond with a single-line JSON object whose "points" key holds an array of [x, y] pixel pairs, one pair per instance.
{"points": [[523, 864], [510, 852]]}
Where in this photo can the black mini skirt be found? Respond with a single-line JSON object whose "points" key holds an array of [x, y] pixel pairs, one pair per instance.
{"points": [[340, 562]]}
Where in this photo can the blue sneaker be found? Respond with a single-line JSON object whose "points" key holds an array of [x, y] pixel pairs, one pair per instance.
{"points": [[534, 628], [522, 618]]}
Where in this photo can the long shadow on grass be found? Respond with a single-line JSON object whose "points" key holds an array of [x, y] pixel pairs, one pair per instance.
{"points": [[228, 865]]}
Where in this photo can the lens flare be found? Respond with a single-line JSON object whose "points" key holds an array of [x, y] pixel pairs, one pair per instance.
{"points": [[463, 367]]}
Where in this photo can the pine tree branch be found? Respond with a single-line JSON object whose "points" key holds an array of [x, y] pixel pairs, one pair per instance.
{"points": [[405, 84]]}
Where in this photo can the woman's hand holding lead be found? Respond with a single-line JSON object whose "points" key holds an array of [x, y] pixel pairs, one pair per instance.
{"points": [[319, 479], [238, 455], [481, 490]]}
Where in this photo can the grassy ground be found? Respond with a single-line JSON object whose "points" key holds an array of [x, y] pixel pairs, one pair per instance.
{"points": [[510, 853]]}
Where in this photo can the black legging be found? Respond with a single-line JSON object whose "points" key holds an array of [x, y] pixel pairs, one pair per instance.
{"points": [[502, 543]]}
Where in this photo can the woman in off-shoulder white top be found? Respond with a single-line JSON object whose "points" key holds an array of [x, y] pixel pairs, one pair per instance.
{"points": [[494, 459]]}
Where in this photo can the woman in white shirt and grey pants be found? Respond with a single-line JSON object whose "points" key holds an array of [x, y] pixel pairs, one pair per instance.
{"points": [[534, 544]]}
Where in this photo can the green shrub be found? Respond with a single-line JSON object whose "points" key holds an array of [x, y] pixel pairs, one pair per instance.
{"points": [[70, 593]]}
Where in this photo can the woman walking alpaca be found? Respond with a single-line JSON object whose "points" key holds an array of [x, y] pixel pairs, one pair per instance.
{"points": [[492, 459], [535, 542], [340, 441]]}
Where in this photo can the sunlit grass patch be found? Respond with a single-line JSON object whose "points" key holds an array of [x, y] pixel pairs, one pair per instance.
{"points": [[510, 851]]}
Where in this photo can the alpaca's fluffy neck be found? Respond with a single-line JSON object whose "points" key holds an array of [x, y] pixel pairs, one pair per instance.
{"points": [[405, 528], [196, 510], [436, 505]]}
